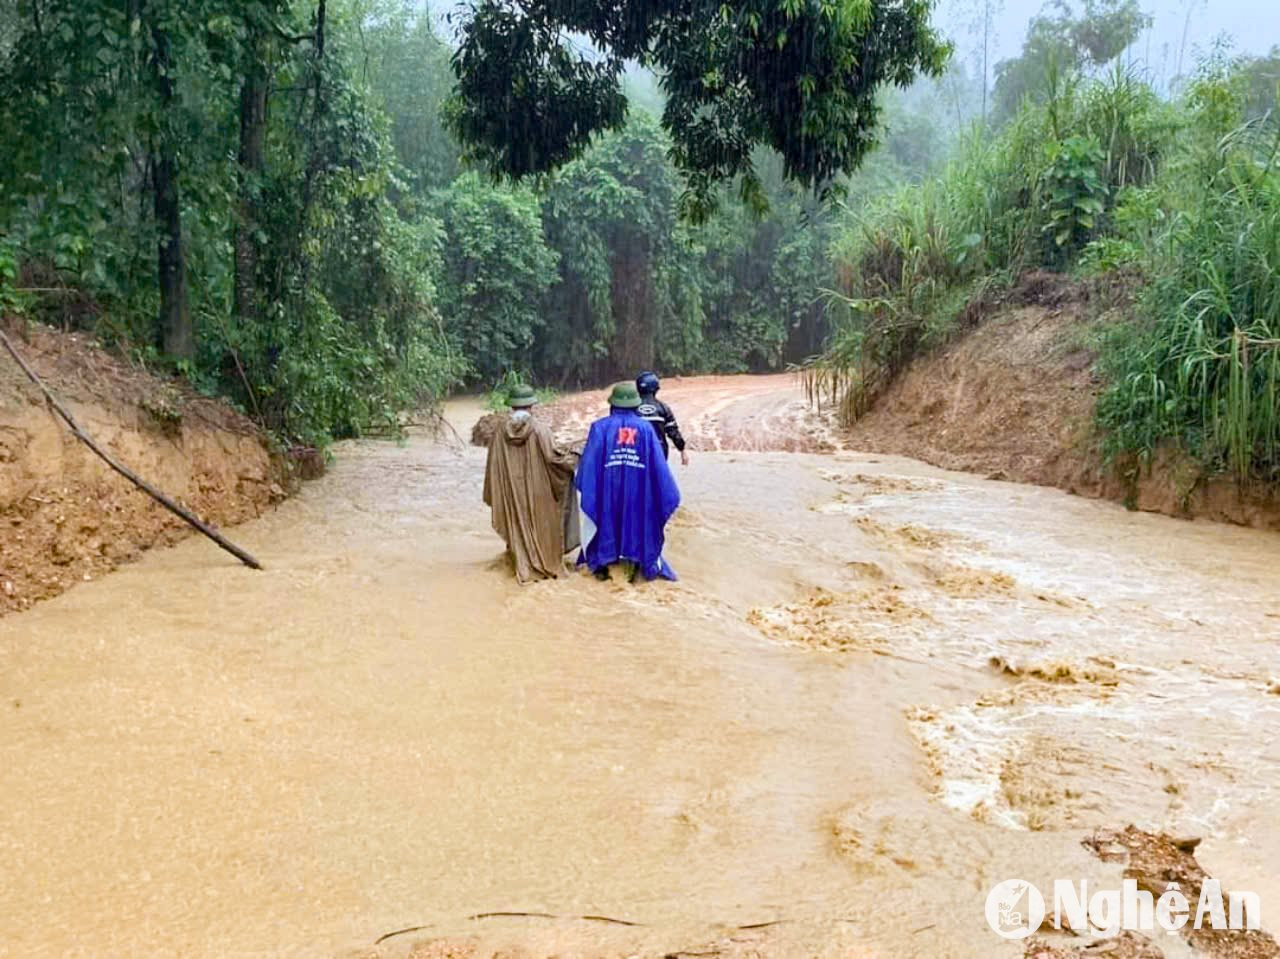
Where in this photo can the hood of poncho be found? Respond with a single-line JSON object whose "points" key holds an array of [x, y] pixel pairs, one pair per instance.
{"points": [[518, 429]]}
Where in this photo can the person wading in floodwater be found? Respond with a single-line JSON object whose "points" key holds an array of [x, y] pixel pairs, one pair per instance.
{"points": [[627, 493], [528, 485], [659, 414]]}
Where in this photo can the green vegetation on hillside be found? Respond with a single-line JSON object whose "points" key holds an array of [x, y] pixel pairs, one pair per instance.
{"points": [[266, 197], [1096, 174], [1201, 367]]}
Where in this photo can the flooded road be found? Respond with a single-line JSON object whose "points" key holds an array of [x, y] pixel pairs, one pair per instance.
{"points": [[877, 690]]}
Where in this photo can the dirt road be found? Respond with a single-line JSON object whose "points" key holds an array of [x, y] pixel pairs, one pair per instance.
{"points": [[719, 413], [878, 689]]}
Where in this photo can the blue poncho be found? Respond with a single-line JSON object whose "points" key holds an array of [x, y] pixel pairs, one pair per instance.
{"points": [[627, 495]]}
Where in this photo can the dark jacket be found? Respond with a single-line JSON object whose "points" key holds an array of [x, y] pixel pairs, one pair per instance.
{"points": [[659, 414]]}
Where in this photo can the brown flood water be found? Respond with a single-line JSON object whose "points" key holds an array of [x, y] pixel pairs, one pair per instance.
{"points": [[383, 730]]}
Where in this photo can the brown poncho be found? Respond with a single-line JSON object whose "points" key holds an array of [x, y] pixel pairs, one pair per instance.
{"points": [[528, 485]]}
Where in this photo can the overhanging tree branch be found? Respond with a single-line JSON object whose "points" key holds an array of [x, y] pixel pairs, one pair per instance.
{"points": [[282, 34]]}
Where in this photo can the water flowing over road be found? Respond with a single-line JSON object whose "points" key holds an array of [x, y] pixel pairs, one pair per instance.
{"points": [[877, 690]]}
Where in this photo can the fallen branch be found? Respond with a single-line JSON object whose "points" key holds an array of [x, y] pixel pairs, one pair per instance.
{"points": [[441, 420], [516, 915], [399, 932], [510, 914], [137, 481]]}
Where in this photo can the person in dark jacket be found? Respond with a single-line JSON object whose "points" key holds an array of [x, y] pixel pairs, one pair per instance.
{"points": [[660, 416]]}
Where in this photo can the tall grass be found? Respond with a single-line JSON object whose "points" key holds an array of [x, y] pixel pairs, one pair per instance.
{"points": [[1032, 196], [1105, 176], [1203, 368]]}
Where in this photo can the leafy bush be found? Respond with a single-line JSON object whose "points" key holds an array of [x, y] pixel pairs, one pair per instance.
{"points": [[1033, 197], [496, 269], [10, 301], [499, 396], [1201, 368], [1075, 196]]}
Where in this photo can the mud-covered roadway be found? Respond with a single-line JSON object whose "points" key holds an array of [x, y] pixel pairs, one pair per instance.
{"points": [[877, 690]]}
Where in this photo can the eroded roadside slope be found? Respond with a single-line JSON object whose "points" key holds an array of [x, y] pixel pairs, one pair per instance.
{"points": [[65, 517], [1014, 399]]}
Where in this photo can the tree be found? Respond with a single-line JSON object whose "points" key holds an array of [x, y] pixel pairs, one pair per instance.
{"points": [[981, 16], [1062, 43], [799, 77], [496, 269], [408, 71], [760, 279], [254, 40], [348, 332], [100, 100], [625, 287], [1259, 82], [205, 177], [177, 335]]}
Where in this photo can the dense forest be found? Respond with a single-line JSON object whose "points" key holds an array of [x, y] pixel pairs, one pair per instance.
{"points": [[330, 211], [290, 203]]}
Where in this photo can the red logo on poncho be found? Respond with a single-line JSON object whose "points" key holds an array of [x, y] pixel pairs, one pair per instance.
{"points": [[627, 435]]}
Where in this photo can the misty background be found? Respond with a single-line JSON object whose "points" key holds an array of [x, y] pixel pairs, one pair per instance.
{"points": [[1181, 31]]}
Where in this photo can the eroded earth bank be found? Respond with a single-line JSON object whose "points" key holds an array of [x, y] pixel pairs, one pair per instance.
{"points": [[65, 517]]}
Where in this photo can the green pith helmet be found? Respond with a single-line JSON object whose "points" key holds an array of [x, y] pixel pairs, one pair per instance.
{"points": [[624, 396], [522, 396]]}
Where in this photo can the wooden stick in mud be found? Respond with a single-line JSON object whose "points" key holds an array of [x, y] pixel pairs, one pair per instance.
{"points": [[128, 474], [505, 914]]}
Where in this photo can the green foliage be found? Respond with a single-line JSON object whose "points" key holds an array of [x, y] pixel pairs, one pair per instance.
{"points": [[341, 330], [348, 334], [640, 288], [337, 263], [800, 78], [1031, 197], [626, 282], [1257, 80], [84, 124], [1075, 195], [409, 75], [496, 269], [1103, 177], [10, 301], [1202, 370], [761, 279], [1063, 43]]}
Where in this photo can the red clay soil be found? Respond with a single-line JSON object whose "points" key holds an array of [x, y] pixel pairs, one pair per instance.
{"points": [[1127, 945], [1014, 399], [1158, 863], [715, 413], [65, 517]]}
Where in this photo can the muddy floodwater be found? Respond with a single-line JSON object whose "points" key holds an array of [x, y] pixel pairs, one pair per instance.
{"points": [[877, 690]]}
